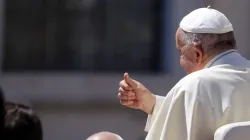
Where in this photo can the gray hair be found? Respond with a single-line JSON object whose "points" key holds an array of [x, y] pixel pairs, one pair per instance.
{"points": [[210, 43]]}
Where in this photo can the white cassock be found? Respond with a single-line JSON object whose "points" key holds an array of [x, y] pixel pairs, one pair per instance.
{"points": [[203, 101]]}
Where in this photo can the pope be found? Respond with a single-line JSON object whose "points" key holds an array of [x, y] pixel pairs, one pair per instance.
{"points": [[215, 92]]}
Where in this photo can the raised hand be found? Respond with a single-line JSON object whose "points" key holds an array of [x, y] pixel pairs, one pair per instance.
{"points": [[134, 95]]}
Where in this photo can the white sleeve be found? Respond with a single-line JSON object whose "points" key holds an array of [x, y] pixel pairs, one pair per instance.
{"points": [[189, 116], [150, 119]]}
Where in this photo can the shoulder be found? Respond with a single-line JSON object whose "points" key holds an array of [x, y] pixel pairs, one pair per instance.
{"points": [[194, 85], [195, 78]]}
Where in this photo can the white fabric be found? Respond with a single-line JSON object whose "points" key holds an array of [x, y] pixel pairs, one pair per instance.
{"points": [[206, 20], [234, 131], [203, 101], [217, 59], [159, 100]]}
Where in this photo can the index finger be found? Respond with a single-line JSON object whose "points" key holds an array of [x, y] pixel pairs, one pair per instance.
{"points": [[125, 86]]}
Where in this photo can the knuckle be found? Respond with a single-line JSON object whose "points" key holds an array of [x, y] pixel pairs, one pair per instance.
{"points": [[122, 83], [120, 89], [119, 95], [122, 97], [122, 102], [125, 86]]}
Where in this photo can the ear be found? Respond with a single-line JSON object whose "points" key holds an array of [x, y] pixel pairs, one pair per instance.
{"points": [[199, 52]]}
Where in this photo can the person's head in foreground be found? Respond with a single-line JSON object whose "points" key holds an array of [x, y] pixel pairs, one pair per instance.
{"points": [[203, 34], [104, 136], [2, 113], [21, 123]]}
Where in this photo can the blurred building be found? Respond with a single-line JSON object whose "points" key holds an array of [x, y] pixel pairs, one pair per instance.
{"points": [[65, 58]]}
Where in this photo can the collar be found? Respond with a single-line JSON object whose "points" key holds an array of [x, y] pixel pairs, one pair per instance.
{"points": [[211, 62]]}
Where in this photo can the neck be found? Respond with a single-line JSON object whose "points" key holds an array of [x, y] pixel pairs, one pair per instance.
{"points": [[209, 58]]}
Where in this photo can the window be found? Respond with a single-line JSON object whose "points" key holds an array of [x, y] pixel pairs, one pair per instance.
{"points": [[85, 35]]}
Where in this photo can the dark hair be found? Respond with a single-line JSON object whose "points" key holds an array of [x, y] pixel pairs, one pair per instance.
{"points": [[2, 113], [21, 123]]}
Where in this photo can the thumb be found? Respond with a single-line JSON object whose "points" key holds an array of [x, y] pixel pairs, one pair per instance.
{"points": [[130, 81]]}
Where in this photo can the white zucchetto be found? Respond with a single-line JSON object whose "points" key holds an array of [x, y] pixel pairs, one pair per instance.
{"points": [[206, 20]]}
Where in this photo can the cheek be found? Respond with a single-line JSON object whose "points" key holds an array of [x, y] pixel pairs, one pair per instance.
{"points": [[187, 64], [184, 62]]}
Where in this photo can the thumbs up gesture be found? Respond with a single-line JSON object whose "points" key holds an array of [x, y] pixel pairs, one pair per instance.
{"points": [[133, 94]]}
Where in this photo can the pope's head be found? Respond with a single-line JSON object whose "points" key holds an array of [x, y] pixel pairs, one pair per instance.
{"points": [[203, 34]]}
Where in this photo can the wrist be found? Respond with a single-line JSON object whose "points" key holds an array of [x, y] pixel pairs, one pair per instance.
{"points": [[152, 104]]}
